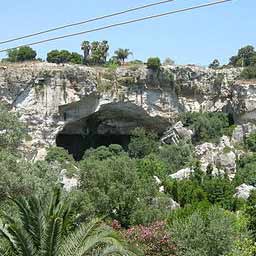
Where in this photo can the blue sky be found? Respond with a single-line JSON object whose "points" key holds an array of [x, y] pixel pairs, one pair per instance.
{"points": [[193, 37]]}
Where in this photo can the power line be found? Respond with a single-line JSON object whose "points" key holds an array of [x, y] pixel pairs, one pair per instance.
{"points": [[120, 24], [86, 21]]}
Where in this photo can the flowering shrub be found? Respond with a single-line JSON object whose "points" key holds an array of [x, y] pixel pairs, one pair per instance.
{"points": [[154, 239]]}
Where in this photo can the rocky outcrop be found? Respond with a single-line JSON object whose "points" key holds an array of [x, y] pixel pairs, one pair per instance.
{"points": [[182, 174], [244, 191], [75, 99], [220, 157]]}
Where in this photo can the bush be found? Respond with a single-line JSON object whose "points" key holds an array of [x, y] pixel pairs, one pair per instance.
{"points": [[12, 131], [248, 73], [154, 63], [250, 142], [24, 53], [207, 127], [246, 57], [215, 64], [154, 239], [115, 188], [142, 143], [176, 157], [246, 171], [205, 234]]}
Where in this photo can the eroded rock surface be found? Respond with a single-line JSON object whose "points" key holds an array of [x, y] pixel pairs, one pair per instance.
{"points": [[53, 99]]}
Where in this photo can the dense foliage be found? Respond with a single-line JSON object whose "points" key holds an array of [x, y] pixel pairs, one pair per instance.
{"points": [[206, 126], [64, 56], [122, 54], [249, 73], [215, 64], [245, 57], [24, 53], [131, 189], [154, 63]]}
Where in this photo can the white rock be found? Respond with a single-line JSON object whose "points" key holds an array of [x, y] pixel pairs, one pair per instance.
{"points": [[68, 183], [182, 174], [243, 191]]}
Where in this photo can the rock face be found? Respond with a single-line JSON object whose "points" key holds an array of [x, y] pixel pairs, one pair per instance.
{"points": [[220, 157], [74, 100]]}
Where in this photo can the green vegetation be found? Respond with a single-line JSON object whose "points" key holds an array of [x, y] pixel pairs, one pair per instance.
{"points": [[122, 54], [47, 227], [123, 203], [24, 53], [209, 233], [249, 73], [154, 63], [12, 131], [206, 126], [95, 53], [64, 56], [246, 57], [215, 64]]}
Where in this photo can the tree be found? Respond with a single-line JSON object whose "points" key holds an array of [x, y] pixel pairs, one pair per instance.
{"points": [[246, 57], [24, 53], [207, 126], [64, 56], [86, 49], [115, 188], [246, 170], [168, 61], [176, 157], [45, 228], [122, 54], [205, 234], [215, 64], [95, 53], [12, 130], [142, 143], [249, 73], [154, 63]]}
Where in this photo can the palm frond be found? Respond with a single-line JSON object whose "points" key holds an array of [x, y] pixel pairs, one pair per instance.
{"points": [[30, 212], [91, 236], [52, 238], [22, 244]]}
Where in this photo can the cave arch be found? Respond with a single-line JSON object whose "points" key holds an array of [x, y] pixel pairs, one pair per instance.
{"points": [[111, 124]]}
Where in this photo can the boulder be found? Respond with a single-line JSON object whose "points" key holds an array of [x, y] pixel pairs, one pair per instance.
{"points": [[243, 191], [182, 174]]}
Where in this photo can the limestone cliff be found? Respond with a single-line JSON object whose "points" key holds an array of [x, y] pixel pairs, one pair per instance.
{"points": [[59, 100]]}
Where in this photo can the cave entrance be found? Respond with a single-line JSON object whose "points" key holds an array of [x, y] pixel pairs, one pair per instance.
{"points": [[112, 124], [77, 144]]}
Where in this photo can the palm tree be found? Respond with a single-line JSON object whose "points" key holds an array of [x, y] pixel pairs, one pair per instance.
{"points": [[45, 228], [86, 48], [122, 54]]}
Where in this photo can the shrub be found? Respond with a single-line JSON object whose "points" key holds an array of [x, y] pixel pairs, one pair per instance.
{"points": [[205, 234], [142, 143], [12, 131], [246, 171], [207, 126], [250, 142], [176, 157], [154, 63], [115, 188], [215, 64], [154, 239], [248, 73]]}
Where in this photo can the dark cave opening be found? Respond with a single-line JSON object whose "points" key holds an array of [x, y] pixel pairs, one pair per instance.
{"points": [[77, 144]]}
